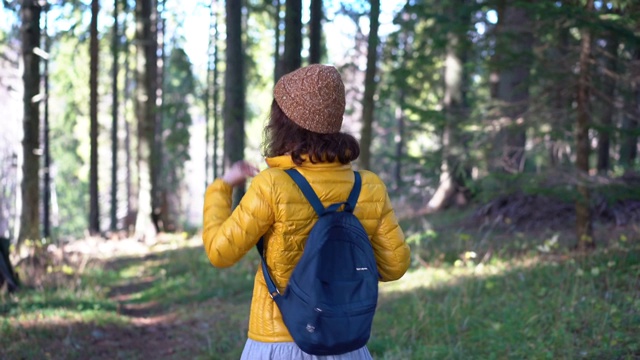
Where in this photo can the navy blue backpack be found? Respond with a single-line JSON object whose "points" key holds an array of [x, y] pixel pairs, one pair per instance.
{"points": [[329, 303]]}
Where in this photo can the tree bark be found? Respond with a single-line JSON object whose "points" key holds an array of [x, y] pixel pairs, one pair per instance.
{"points": [[30, 188], [609, 90], [234, 101], [145, 113], [115, 47], [370, 85], [216, 97], [512, 92], [630, 124], [315, 32], [277, 61], [94, 207], [161, 214], [46, 187], [292, 59], [584, 227], [455, 109]]}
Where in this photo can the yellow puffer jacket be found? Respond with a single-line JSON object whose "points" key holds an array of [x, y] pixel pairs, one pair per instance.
{"points": [[274, 206]]}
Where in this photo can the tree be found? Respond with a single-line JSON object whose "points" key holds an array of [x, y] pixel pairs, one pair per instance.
{"points": [[630, 121], [277, 62], [94, 210], [370, 84], [513, 61], [292, 59], [145, 114], [179, 84], [211, 93], [234, 91], [454, 106], [115, 48], [30, 189], [46, 186], [315, 32], [609, 76], [584, 226]]}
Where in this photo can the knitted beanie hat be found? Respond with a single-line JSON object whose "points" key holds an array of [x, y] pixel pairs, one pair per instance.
{"points": [[313, 97]]}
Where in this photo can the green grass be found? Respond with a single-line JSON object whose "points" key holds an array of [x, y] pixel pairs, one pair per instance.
{"points": [[471, 294]]}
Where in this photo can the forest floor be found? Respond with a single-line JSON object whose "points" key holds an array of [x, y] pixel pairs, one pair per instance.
{"points": [[481, 286]]}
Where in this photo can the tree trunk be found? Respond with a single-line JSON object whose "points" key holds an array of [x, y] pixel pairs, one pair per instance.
{"points": [[94, 209], [208, 93], [131, 191], [562, 98], [400, 143], [512, 93], [30, 188], [145, 113], [277, 61], [292, 36], [368, 104], [584, 227], [216, 96], [46, 186], [234, 102], [115, 47], [609, 90], [315, 32], [161, 212], [630, 124], [455, 109]]}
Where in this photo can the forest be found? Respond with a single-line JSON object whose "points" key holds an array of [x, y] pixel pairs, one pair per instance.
{"points": [[506, 131]]}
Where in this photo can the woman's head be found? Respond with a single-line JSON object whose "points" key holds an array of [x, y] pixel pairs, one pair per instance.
{"points": [[306, 116]]}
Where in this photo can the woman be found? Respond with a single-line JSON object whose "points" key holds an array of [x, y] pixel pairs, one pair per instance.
{"points": [[303, 133]]}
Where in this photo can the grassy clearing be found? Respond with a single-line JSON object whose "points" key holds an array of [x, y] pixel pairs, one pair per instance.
{"points": [[469, 295]]}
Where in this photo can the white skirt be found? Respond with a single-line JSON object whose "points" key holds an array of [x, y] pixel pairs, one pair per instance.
{"points": [[256, 350]]}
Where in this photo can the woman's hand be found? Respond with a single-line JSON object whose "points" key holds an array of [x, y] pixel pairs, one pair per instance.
{"points": [[239, 172]]}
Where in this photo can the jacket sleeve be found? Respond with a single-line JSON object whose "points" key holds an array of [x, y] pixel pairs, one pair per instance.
{"points": [[227, 236], [392, 252]]}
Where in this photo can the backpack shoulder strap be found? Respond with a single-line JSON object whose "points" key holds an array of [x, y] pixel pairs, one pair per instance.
{"points": [[311, 196], [315, 202], [355, 193], [308, 192]]}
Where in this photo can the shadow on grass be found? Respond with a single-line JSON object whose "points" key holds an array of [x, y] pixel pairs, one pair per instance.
{"points": [[171, 304], [175, 305], [573, 308]]}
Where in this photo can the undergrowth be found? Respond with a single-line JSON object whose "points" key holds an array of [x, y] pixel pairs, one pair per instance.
{"points": [[485, 292]]}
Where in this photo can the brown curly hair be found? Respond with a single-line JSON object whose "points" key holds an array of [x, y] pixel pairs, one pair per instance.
{"points": [[282, 136]]}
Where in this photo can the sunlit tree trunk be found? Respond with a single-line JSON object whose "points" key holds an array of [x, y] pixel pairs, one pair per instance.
{"points": [[30, 187], [216, 95], [455, 109], [584, 227], [234, 101], [370, 85], [131, 160], [292, 36], [145, 114], [46, 187], [161, 212], [208, 94], [277, 61], [315, 32]]}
